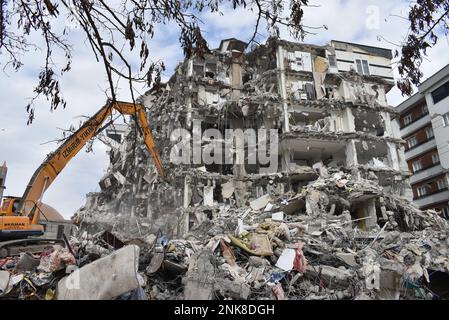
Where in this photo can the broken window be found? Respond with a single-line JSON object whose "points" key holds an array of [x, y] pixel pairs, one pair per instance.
{"points": [[300, 61], [369, 122], [211, 70], [198, 69], [332, 60]]}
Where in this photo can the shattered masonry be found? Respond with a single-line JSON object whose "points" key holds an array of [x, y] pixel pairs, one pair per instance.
{"points": [[333, 221]]}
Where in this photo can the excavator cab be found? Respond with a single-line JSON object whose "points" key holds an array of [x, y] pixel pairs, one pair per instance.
{"points": [[9, 206]]}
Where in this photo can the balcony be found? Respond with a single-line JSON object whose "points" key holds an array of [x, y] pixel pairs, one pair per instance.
{"points": [[436, 197], [415, 125], [426, 173], [420, 148]]}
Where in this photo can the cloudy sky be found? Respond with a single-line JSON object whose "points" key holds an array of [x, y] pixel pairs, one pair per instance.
{"points": [[376, 23]]}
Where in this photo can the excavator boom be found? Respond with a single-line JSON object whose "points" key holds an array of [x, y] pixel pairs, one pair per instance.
{"points": [[56, 161]]}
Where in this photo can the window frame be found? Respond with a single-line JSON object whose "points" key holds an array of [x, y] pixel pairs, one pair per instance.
{"points": [[362, 67], [414, 138], [435, 155], [440, 96], [406, 122], [332, 58], [420, 165], [442, 181], [427, 133], [420, 193]]}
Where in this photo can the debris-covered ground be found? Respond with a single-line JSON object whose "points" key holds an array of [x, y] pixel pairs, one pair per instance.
{"points": [[288, 246]]}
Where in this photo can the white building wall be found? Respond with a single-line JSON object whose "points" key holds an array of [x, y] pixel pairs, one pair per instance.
{"points": [[374, 61], [441, 131]]}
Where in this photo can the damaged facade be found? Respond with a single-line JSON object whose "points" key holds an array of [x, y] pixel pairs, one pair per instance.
{"points": [[330, 220], [327, 104]]}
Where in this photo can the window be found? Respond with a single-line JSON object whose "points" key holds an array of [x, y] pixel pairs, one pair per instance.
{"points": [[362, 67], [417, 165], [332, 60], [429, 133], [442, 184], [407, 119], [446, 119], [440, 93], [422, 191], [435, 158], [412, 142]]}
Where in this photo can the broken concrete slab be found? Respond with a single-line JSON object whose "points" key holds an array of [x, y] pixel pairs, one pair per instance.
{"points": [[330, 275], [91, 282], [4, 281], [260, 203], [199, 279]]}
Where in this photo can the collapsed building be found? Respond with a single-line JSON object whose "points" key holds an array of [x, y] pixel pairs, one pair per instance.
{"points": [[330, 200], [327, 104]]}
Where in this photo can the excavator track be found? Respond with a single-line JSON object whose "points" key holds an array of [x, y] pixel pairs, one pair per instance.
{"points": [[33, 245]]}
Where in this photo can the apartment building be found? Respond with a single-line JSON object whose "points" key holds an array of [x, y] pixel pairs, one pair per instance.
{"points": [[424, 122]]}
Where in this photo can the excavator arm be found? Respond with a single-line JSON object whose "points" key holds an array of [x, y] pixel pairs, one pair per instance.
{"points": [[56, 161]]}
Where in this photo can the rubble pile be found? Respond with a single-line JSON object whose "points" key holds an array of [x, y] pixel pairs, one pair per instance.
{"points": [[281, 246], [274, 249]]}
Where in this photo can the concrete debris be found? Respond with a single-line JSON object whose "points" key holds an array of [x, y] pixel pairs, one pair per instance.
{"points": [[91, 282], [260, 203]]}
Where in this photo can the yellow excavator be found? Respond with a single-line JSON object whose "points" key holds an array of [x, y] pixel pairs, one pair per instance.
{"points": [[20, 218]]}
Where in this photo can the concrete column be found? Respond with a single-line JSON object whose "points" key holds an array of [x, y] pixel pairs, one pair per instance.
{"points": [[370, 210], [239, 170], [236, 77], [336, 122], [286, 158], [283, 87], [208, 194], [348, 120], [402, 162], [351, 154], [393, 155], [149, 210], [189, 112], [387, 124], [187, 192]]}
